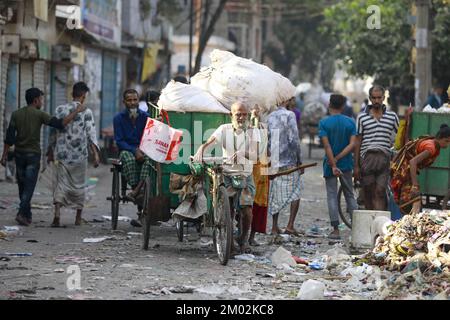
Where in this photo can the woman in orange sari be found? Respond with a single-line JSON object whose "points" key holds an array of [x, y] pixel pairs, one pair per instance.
{"points": [[414, 156], [261, 202]]}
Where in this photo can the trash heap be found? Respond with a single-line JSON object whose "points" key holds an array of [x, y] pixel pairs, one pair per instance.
{"points": [[419, 240]]}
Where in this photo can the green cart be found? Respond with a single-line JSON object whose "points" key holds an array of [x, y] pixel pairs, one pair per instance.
{"points": [[435, 180]]}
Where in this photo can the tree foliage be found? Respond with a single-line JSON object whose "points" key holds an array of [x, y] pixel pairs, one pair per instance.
{"points": [[386, 53], [304, 46]]}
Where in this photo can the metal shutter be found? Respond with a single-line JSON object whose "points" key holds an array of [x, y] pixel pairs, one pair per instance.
{"points": [[26, 80], [3, 73], [60, 84], [109, 90], [39, 76]]}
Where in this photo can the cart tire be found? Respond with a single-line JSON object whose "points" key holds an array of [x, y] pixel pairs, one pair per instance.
{"points": [[115, 199], [223, 233], [146, 214], [343, 214], [180, 230]]}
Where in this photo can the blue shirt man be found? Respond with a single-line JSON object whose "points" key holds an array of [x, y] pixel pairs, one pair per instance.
{"points": [[129, 127], [338, 134]]}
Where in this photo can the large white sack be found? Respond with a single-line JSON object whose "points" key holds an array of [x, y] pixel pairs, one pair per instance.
{"points": [[180, 97], [230, 78]]}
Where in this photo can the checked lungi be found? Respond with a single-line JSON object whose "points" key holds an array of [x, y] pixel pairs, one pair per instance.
{"points": [[134, 171], [284, 190]]}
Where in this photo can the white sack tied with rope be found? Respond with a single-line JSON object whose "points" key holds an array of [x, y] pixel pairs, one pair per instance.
{"points": [[230, 78], [180, 97]]}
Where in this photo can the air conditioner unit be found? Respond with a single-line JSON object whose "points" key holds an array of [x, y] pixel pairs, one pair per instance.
{"points": [[28, 49], [61, 52], [10, 43]]}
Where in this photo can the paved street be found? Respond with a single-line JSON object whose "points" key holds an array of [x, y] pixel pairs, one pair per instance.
{"points": [[117, 268]]}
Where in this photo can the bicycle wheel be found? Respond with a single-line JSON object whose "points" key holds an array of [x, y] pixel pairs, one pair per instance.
{"points": [[342, 205], [145, 219], [180, 230], [222, 234], [115, 199]]}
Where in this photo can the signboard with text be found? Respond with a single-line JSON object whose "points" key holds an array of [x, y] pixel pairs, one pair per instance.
{"points": [[102, 18]]}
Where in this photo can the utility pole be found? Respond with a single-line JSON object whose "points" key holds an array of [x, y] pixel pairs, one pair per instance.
{"points": [[423, 49]]}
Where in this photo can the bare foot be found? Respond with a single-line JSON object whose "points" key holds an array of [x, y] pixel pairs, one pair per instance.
{"points": [[276, 231], [292, 232], [78, 221], [55, 223], [253, 243]]}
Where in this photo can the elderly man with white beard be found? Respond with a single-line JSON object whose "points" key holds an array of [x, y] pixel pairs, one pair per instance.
{"points": [[239, 144]]}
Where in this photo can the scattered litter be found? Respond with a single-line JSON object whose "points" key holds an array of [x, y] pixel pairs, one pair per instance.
{"points": [[59, 270], [5, 259], [211, 289], [281, 256], [120, 218], [25, 291], [11, 229], [245, 257], [41, 207], [128, 265], [311, 290], [300, 260], [96, 240], [317, 265], [26, 254], [71, 260], [134, 233], [32, 241], [234, 290]]}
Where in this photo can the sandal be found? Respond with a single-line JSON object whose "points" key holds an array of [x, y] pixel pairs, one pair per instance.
{"points": [[254, 243]]}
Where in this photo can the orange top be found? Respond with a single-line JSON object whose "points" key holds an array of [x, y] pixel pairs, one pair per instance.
{"points": [[430, 146]]}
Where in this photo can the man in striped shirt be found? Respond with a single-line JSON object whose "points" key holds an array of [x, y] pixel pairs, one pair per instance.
{"points": [[375, 129]]}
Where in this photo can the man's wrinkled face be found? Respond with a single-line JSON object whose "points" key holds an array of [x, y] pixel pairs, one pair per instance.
{"points": [[377, 99], [239, 117], [131, 102]]}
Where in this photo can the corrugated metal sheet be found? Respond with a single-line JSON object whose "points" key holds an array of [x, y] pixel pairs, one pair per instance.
{"points": [[39, 81], [93, 78], [3, 78], [109, 90], [60, 79], [26, 80]]}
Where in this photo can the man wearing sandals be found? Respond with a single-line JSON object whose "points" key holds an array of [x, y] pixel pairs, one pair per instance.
{"points": [[240, 145], [129, 126], [285, 154]]}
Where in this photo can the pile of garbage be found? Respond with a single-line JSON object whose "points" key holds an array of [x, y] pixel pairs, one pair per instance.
{"points": [[418, 240]]}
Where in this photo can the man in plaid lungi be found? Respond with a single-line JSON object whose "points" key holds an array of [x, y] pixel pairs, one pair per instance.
{"points": [[129, 126]]}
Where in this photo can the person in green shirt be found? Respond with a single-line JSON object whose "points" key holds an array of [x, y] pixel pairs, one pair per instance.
{"points": [[24, 132]]}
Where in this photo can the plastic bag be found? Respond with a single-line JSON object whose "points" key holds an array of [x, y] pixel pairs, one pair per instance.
{"points": [[161, 142]]}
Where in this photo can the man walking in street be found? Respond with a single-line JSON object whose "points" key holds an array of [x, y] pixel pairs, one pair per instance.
{"points": [[338, 134], [285, 154], [240, 144], [24, 132], [129, 127], [375, 128], [70, 148]]}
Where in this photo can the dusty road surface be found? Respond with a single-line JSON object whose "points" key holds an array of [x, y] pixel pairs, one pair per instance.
{"points": [[62, 266]]}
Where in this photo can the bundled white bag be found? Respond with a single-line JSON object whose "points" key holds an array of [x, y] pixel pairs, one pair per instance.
{"points": [[180, 97], [230, 78]]}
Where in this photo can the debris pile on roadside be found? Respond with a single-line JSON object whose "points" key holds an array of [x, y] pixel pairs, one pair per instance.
{"points": [[422, 239], [417, 250]]}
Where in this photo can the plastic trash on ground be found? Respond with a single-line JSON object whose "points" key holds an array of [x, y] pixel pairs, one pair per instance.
{"points": [[311, 290], [282, 256]]}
